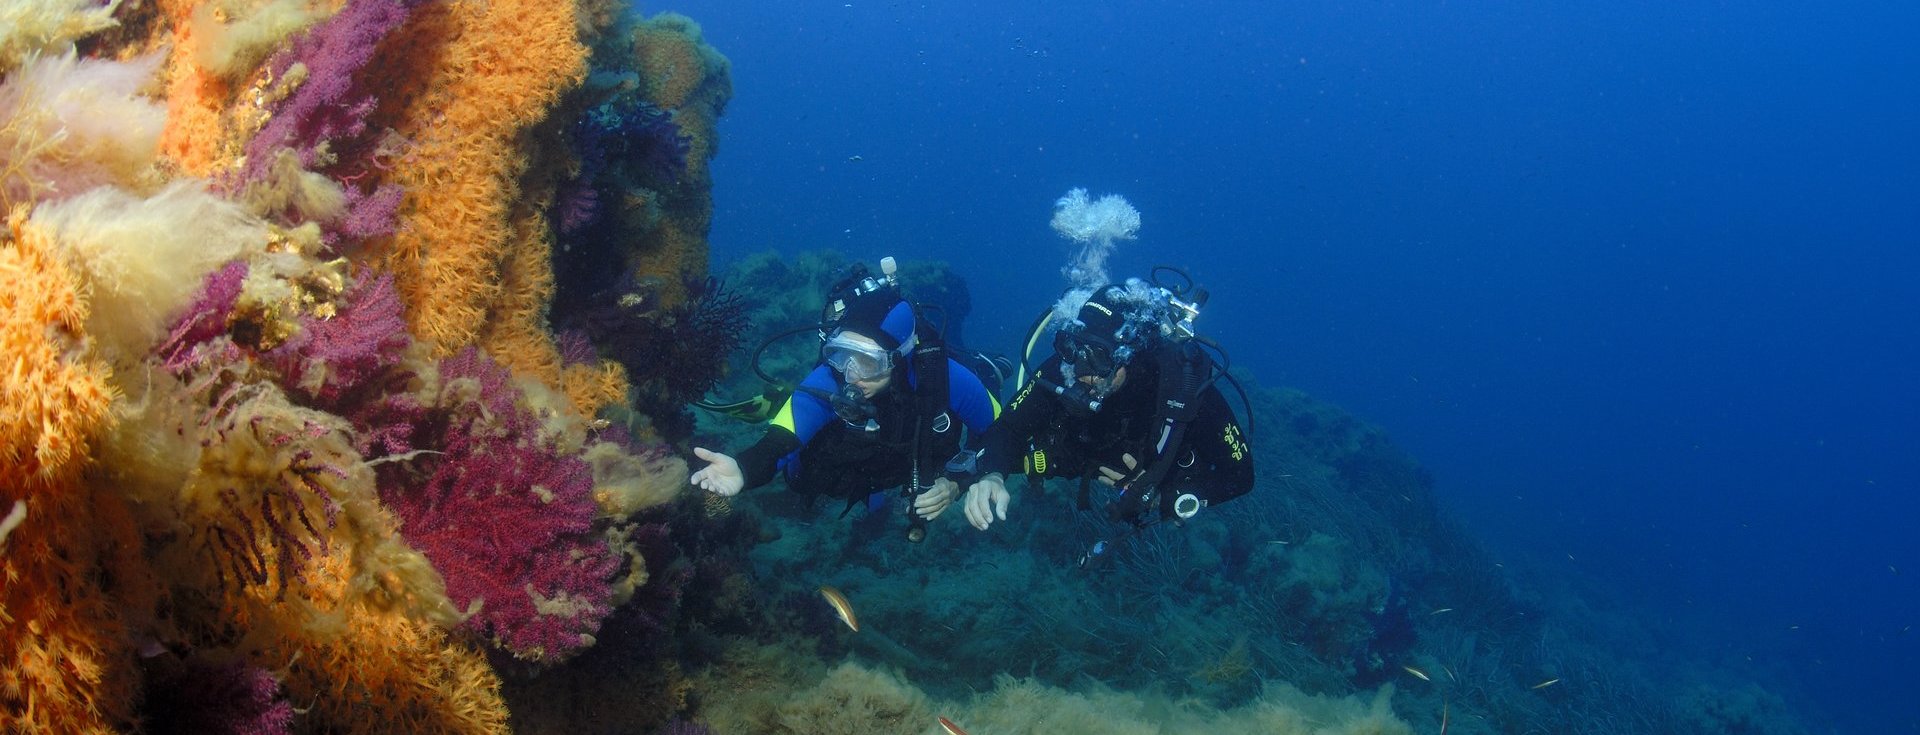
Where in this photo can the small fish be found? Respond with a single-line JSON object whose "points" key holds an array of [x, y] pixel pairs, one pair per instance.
{"points": [[1416, 672], [13, 519], [1545, 684], [951, 728], [1443, 717], [841, 607], [1441, 610], [855, 159]]}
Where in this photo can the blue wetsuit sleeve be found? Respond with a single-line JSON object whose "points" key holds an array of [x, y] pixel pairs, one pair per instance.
{"points": [[969, 400], [806, 412], [799, 419]]}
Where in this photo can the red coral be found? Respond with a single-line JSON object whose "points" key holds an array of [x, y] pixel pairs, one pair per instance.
{"points": [[205, 319], [332, 363], [329, 107], [508, 521], [324, 120], [218, 699]]}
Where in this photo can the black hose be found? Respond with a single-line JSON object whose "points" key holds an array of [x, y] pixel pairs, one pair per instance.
{"points": [[1154, 276], [768, 342]]}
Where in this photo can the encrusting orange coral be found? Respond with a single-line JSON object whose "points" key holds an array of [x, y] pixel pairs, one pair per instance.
{"points": [[50, 404], [471, 258], [371, 670], [66, 663], [469, 81], [685, 75]]}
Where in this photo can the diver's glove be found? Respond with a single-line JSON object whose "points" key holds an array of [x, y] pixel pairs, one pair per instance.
{"points": [[930, 504], [986, 499], [721, 476]]}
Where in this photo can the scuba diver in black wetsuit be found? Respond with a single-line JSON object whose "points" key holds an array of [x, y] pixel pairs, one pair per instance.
{"points": [[1128, 402], [884, 408]]}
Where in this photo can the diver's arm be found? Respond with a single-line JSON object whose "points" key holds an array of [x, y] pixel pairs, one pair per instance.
{"points": [[1005, 452], [969, 399], [760, 462], [798, 420], [1006, 441]]}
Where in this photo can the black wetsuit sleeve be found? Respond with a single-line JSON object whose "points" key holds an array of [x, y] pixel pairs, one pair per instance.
{"points": [[1223, 467], [1007, 440], [759, 462]]}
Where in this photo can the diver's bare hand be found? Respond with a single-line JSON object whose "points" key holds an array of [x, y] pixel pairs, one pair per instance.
{"points": [[721, 476], [1111, 476], [987, 499], [934, 501]]}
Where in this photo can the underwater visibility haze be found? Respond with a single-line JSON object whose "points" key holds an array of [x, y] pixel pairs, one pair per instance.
{"points": [[357, 352], [1635, 281]]}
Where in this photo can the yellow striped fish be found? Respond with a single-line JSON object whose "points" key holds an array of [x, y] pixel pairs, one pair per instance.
{"points": [[841, 607]]}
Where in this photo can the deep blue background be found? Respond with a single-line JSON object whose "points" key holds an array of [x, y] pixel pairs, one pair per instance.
{"points": [[1635, 279]]}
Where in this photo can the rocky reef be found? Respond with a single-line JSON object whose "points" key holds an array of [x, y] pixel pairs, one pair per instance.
{"points": [[291, 444]]}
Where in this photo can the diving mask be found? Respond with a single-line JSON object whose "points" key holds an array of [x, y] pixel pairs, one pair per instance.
{"points": [[1089, 356], [856, 357]]}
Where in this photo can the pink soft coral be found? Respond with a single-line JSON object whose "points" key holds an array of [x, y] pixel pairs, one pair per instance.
{"points": [[505, 517], [204, 319], [332, 363]]}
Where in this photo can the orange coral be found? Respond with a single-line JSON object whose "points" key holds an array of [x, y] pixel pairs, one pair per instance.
{"points": [[209, 118], [73, 581], [470, 81], [517, 335], [195, 135], [371, 671], [693, 80], [674, 61], [591, 387], [50, 404], [65, 662]]}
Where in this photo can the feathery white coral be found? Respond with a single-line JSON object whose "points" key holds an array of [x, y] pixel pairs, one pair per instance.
{"points": [[29, 27], [69, 124], [143, 260], [1095, 224]]}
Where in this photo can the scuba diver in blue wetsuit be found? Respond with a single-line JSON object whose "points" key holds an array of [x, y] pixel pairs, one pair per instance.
{"points": [[885, 408]]}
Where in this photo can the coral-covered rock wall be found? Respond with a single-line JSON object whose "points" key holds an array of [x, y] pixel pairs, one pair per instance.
{"points": [[287, 442]]}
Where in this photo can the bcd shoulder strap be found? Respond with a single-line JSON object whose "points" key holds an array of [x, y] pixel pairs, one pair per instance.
{"points": [[930, 402], [1184, 371]]}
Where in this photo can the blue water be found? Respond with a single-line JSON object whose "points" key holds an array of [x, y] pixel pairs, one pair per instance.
{"points": [[1634, 279]]}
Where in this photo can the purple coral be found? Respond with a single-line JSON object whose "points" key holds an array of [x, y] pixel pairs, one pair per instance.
{"points": [[575, 348], [219, 699], [328, 112], [508, 521], [672, 356], [677, 726], [205, 319], [332, 363], [328, 106], [259, 540]]}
